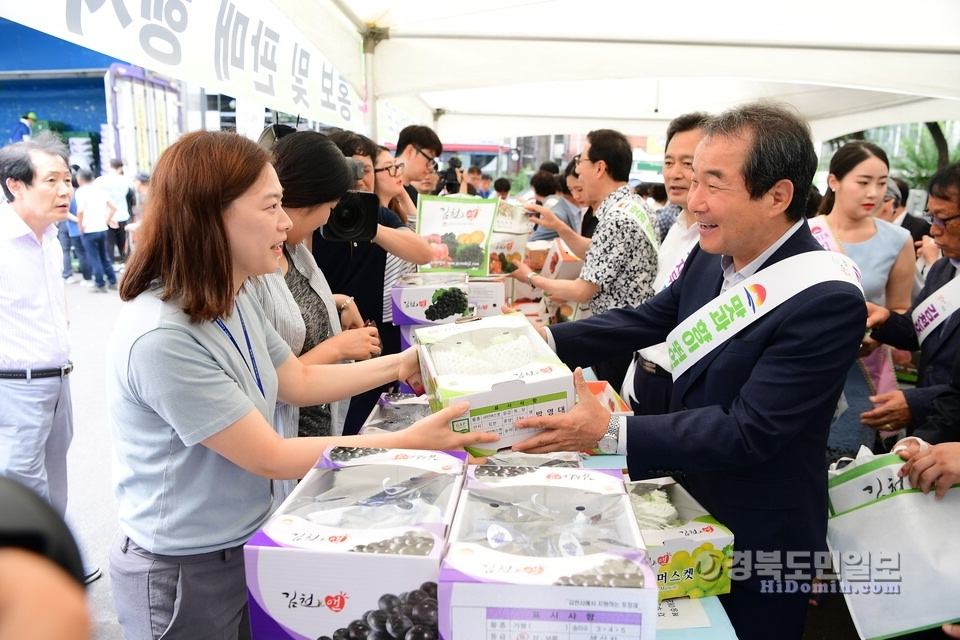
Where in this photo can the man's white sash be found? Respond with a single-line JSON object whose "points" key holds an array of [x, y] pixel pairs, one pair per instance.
{"points": [[929, 314], [637, 211], [736, 308]]}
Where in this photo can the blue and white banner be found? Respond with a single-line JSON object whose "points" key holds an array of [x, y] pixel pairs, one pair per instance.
{"points": [[242, 48]]}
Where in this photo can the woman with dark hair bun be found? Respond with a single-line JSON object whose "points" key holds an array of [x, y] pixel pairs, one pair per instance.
{"points": [[359, 268], [884, 253], [321, 327], [194, 372]]}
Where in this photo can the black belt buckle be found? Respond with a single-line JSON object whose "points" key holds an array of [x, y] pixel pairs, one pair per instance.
{"points": [[65, 369]]}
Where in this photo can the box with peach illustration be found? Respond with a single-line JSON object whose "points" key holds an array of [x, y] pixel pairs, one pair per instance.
{"points": [[479, 236], [561, 263]]}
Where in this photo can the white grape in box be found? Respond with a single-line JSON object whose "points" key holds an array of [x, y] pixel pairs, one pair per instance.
{"points": [[554, 552], [357, 542], [693, 553], [502, 367]]}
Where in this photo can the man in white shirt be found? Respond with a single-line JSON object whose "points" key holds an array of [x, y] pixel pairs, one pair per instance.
{"points": [[95, 213], [36, 414], [649, 381], [121, 195]]}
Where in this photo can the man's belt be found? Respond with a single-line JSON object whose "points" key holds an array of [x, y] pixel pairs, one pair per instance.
{"points": [[652, 367], [27, 374]]}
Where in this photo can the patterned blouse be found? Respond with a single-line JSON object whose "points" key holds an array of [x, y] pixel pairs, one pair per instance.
{"points": [[621, 260], [314, 421]]}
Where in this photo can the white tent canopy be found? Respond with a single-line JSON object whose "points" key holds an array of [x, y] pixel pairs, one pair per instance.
{"points": [[498, 68]]}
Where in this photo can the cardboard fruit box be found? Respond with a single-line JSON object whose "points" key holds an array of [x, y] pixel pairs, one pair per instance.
{"points": [[487, 295], [502, 367], [479, 236], [609, 398], [549, 553], [694, 558], [416, 293], [356, 543], [430, 298], [561, 263]]}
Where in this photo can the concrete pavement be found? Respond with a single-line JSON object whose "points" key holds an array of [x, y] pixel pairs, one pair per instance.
{"points": [[91, 509]]}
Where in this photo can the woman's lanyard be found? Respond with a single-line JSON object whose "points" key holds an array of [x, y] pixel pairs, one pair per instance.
{"points": [[253, 360]]}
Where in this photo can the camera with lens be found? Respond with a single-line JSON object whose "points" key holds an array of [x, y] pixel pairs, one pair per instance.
{"points": [[450, 180], [356, 167], [355, 217]]}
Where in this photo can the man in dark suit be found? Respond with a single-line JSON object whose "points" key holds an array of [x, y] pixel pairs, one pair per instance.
{"points": [[917, 226], [909, 408], [749, 420]]}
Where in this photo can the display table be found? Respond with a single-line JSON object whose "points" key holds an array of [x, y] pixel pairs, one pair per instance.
{"points": [[719, 625]]}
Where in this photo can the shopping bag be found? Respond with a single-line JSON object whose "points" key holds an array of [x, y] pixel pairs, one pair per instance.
{"points": [[895, 550]]}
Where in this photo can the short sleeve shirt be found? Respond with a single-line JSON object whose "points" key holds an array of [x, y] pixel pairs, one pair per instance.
{"points": [[170, 385], [621, 259]]}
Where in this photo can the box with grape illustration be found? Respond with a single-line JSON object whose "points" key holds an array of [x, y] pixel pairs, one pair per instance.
{"points": [[430, 298], [475, 235], [502, 367], [547, 552], [690, 551], [439, 298], [356, 547]]}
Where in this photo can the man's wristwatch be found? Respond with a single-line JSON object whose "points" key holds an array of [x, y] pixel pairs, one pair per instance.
{"points": [[530, 279], [611, 439]]}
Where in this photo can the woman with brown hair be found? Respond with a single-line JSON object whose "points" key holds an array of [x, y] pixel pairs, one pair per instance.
{"points": [[194, 373]]}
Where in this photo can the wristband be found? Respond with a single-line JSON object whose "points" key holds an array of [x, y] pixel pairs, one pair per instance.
{"points": [[530, 279], [346, 303]]}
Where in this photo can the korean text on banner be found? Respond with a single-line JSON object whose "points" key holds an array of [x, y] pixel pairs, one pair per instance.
{"points": [[243, 48]]}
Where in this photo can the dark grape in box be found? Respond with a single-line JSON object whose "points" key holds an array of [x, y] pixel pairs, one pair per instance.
{"points": [[354, 551]]}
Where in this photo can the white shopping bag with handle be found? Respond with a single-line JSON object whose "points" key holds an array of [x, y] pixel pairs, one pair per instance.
{"points": [[895, 549]]}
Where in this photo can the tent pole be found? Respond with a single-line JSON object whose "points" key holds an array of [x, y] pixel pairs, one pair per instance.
{"points": [[372, 36]]}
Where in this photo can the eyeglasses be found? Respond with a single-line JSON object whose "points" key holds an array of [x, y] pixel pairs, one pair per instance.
{"points": [[393, 170], [578, 160], [940, 223], [431, 162]]}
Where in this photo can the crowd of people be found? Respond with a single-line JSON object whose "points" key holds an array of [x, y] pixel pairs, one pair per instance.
{"points": [[281, 339]]}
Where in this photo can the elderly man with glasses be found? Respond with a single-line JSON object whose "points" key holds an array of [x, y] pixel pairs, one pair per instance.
{"points": [[931, 325]]}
